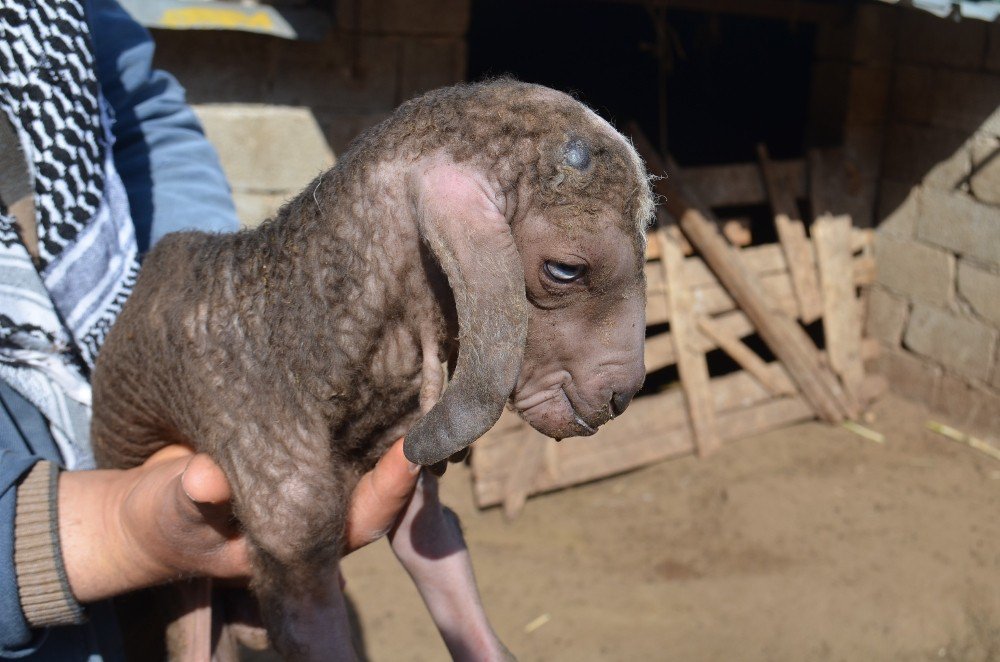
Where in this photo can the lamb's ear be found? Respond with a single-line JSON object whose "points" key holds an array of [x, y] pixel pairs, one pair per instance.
{"points": [[473, 243]]}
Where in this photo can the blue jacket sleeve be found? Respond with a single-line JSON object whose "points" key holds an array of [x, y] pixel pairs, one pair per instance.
{"points": [[170, 170], [18, 453]]}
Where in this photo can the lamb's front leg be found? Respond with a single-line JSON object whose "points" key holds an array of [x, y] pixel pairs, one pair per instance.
{"points": [[305, 611], [428, 542], [292, 500]]}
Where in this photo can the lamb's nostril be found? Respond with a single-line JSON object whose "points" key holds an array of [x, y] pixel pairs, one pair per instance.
{"points": [[619, 402]]}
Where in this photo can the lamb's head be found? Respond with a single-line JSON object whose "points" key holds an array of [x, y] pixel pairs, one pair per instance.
{"points": [[552, 310]]}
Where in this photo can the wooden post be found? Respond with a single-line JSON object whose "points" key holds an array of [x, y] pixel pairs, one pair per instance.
{"points": [[691, 362], [841, 316], [792, 235], [782, 334], [745, 356]]}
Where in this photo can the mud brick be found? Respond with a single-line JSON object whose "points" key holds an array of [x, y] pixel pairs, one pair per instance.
{"points": [[875, 32], [427, 64], [964, 345], [945, 97], [956, 221], [986, 416], [345, 72], [430, 17], [886, 316], [868, 94], [993, 48], [954, 398], [981, 289], [908, 374], [929, 40], [915, 269]]}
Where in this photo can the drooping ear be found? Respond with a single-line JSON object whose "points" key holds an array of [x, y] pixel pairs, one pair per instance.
{"points": [[473, 243]]}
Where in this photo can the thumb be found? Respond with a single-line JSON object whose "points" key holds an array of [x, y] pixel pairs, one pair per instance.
{"points": [[379, 497]]}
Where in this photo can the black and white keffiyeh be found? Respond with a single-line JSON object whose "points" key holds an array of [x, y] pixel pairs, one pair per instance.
{"points": [[54, 317]]}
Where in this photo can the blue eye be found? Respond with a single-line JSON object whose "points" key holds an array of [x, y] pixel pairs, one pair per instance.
{"points": [[563, 273]]}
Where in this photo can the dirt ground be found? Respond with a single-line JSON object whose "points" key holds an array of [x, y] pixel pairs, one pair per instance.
{"points": [[807, 543]]}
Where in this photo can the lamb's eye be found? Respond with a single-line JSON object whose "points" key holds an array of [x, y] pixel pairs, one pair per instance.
{"points": [[562, 272]]}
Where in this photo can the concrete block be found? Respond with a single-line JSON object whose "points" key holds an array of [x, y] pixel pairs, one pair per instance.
{"points": [[955, 399], [964, 345], [868, 94], [254, 208], [428, 17], [981, 289], [933, 155], [886, 316], [908, 374], [985, 181], [341, 128], [427, 64], [985, 417], [956, 221], [929, 40], [266, 149], [897, 209], [912, 91], [915, 270]]}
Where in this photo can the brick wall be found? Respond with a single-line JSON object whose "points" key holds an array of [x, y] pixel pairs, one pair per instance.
{"points": [[929, 91], [279, 111]]}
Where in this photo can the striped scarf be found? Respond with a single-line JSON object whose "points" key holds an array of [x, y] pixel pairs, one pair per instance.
{"points": [[56, 311]]}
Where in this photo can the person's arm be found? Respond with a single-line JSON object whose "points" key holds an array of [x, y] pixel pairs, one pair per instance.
{"points": [[170, 171]]}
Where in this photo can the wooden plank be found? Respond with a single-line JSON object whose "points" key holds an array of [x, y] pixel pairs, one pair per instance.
{"points": [[660, 352], [781, 333], [794, 243], [691, 363], [713, 299], [740, 184], [527, 464], [614, 450], [841, 309], [736, 230], [747, 358]]}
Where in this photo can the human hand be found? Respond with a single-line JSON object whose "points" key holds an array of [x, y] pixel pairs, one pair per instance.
{"points": [[171, 518], [166, 519]]}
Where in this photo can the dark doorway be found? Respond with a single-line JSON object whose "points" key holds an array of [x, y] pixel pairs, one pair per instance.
{"points": [[733, 81]]}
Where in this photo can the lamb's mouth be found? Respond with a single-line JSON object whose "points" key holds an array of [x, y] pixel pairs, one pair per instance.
{"points": [[583, 429], [587, 428]]}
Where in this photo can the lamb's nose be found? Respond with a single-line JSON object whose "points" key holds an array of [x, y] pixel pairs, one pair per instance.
{"points": [[619, 402]]}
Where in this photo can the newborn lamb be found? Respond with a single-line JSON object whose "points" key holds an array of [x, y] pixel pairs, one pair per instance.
{"points": [[497, 228]]}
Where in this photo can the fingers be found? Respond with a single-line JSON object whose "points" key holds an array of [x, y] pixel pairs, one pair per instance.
{"points": [[379, 497], [204, 482]]}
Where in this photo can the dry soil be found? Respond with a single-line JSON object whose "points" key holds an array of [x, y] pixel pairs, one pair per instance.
{"points": [[807, 543]]}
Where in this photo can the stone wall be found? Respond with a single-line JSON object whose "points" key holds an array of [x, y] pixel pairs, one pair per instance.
{"points": [[930, 91], [279, 111]]}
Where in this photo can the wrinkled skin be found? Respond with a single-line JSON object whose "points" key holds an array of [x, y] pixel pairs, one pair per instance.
{"points": [[583, 359], [497, 228]]}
